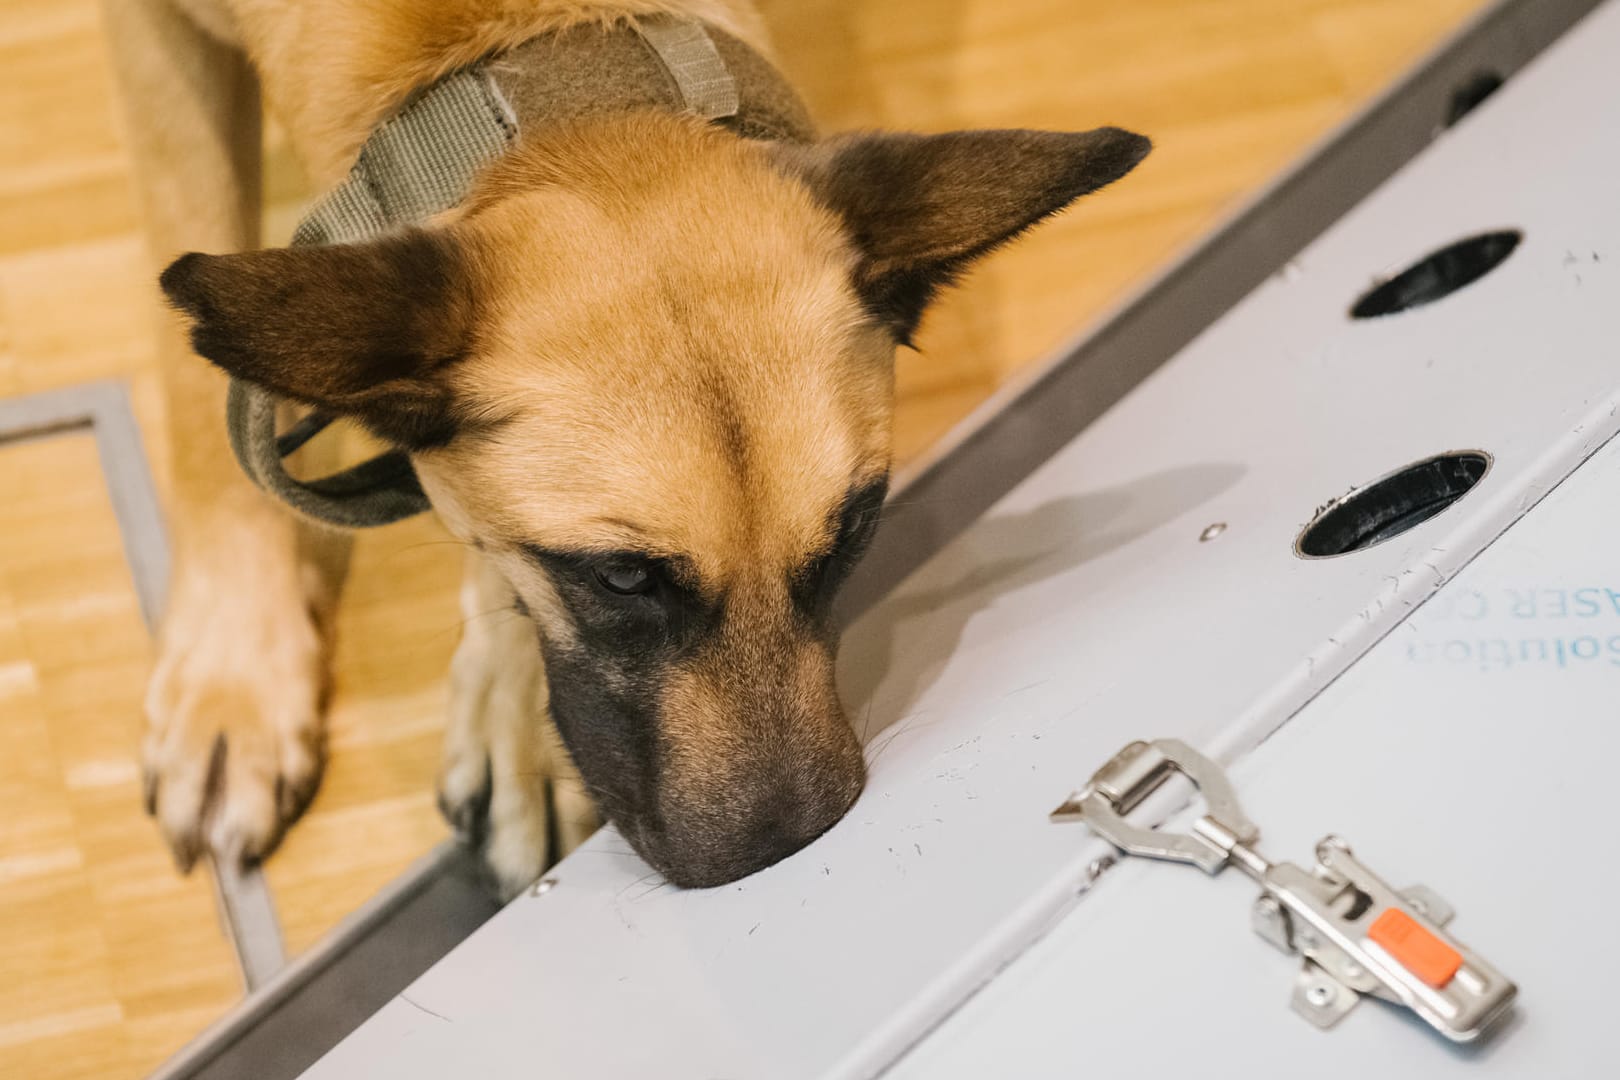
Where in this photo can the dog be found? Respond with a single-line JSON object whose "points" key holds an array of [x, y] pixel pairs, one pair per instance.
{"points": [[644, 371]]}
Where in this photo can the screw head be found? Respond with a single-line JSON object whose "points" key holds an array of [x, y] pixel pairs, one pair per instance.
{"points": [[1320, 995], [543, 886], [1211, 532]]}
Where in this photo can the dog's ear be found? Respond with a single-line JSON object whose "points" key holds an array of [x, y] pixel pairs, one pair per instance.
{"points": [[920, 208], [363, 330]]}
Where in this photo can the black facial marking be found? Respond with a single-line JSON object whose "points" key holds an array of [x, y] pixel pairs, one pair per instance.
{"points": [[624, 602], [816, 583], [606, 681], [640, 625], [601, 709]]}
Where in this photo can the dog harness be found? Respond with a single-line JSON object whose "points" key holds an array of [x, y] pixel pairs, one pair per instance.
{"points": [[424, 159]]}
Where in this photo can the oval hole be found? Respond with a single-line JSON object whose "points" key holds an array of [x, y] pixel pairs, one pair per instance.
{"points": [[1386, 508], [1438, 275]]}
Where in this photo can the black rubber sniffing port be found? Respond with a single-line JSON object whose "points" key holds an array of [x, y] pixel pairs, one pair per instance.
{"points": [[1386, 508], [1438, 275]]}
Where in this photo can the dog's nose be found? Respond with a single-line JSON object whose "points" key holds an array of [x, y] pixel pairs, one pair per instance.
{"points": [[790, 826], [781, 820]]}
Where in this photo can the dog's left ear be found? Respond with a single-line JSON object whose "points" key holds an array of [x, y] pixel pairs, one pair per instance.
{"points": [[920, 208], [365, 330]]}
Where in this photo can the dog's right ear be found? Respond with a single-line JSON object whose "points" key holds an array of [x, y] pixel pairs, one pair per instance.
{"points": [[920, 208], [362, 330]]}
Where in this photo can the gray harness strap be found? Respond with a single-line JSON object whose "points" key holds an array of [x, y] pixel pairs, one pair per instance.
{"points": [[694, 63], [415, 165]]}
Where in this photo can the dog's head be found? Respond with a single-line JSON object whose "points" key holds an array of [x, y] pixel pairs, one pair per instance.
{"points": [[647, 369]]}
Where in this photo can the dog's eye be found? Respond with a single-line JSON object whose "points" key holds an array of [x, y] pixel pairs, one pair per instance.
{"points": [[625, 580]]}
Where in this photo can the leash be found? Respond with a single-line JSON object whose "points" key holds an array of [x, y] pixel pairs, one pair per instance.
{"points": [[419, 163]]}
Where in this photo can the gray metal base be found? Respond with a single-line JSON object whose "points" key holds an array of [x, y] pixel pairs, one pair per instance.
{"points": [[282, 1028]]}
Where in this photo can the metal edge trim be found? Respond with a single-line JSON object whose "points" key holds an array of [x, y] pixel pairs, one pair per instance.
{"points": [[329, 950]]}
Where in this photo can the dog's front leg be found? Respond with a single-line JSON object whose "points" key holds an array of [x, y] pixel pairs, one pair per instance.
{"points": [[234, 729], [506, 783]]}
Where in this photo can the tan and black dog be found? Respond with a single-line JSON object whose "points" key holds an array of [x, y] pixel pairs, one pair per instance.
{"points": [[644, 370]]}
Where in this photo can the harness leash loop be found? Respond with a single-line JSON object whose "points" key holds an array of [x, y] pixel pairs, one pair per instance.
{"points": [[377, 491], [417, 164]]}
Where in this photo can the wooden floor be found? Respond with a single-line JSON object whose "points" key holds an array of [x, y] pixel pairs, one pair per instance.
{"points": [[108, 960]]}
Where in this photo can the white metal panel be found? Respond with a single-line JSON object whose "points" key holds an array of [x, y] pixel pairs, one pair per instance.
{"points": [[1083, 611], [1474, 750]]}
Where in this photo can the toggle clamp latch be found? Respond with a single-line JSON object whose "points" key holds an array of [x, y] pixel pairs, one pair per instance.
{"points": [[1357, 934]]}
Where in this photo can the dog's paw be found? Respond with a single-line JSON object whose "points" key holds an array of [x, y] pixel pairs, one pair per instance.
{"points": [[539, 809], [464, 792], [518, 848], [506, 784], [465, 780], [234, 742]]}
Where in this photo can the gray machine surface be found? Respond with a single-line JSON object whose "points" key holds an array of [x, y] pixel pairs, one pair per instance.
{"points": [[1142, 582], [1473, 750], [1046, 404]]}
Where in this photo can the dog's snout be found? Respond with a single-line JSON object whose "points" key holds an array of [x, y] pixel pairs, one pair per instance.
{"points": [[792, 823], [762, 824]]}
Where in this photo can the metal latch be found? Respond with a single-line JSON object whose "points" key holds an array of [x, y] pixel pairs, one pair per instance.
{"points": [[1356, 934]]}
